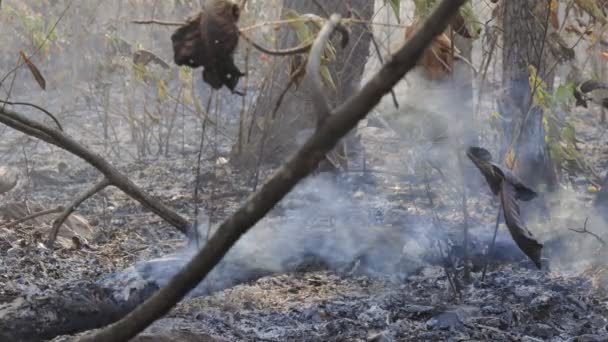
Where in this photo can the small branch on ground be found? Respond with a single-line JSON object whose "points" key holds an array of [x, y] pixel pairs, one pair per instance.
{"points": [[303, 163], [70, 209], [33, 216], [116, 178]]}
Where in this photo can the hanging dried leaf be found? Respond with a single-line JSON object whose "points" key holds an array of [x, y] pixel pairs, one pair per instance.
{"points": [[554, 14], [495, 173], [146, 57], [162, 90], [438, 58], [34, 70], [209, 40]]}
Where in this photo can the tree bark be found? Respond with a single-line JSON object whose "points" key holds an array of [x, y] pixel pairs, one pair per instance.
{"points": [[296, 113], [525, 28]]}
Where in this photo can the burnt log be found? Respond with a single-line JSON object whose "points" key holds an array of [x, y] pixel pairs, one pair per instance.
{"points": [[74, 308]]}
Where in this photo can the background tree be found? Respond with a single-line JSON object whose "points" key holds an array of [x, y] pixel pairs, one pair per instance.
{"points": [[273, 139], [525, 25]]}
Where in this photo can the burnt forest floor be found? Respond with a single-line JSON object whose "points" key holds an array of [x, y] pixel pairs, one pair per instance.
{"points": [[371, 268]]}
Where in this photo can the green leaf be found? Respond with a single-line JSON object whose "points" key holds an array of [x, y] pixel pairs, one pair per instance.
{"points": [[302, 30], [395, 5], [423, 7], [591, 7], [327, 76], [564, 92], [496, 115], [471, 20]]}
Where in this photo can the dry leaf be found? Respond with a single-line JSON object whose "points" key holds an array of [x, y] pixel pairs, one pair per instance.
{"points": [[438, 58], [554, 18], [34, 70]]}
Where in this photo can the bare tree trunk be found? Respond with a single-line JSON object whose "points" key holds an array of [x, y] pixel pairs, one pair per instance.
{"points": [[524, 46], [296, 113]]}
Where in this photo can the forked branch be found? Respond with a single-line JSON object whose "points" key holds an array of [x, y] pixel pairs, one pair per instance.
{"points": [[116, 178], [70, 209], [302, 164]]}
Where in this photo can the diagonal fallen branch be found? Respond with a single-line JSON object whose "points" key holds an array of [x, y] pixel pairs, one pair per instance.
{"points": [[116, 178], [303, 163]]}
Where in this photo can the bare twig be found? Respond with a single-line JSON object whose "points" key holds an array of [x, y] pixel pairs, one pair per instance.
{"points": [[157, 22], [491, 249], [302, 164], [70, 209], [33, 216], [584, 230], [285, 52], [37, 107]]}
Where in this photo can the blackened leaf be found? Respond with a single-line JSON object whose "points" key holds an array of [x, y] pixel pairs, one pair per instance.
{"points": [[188, 48], [480, 153], [591, 85], [495, 173], [580, 99], [482, 159], [523, 192], [520, 234]]}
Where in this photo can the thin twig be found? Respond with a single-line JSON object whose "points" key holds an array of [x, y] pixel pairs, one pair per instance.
{"points": [[584, 230], [39, 47], [37, 107], [491, 249], [33, 216]]}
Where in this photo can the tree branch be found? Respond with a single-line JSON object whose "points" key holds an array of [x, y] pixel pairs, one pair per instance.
{"points": [[62, 140], [37, 107], [303, 163], [33, 216], [313, 67], [70, 209]]}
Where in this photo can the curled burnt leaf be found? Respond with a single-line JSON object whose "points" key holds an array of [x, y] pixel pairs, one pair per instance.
{"points": [[519, 232], [209, 40], [188, 47], [591, 85], [483, 160], [495, 174], [510, 190]]}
